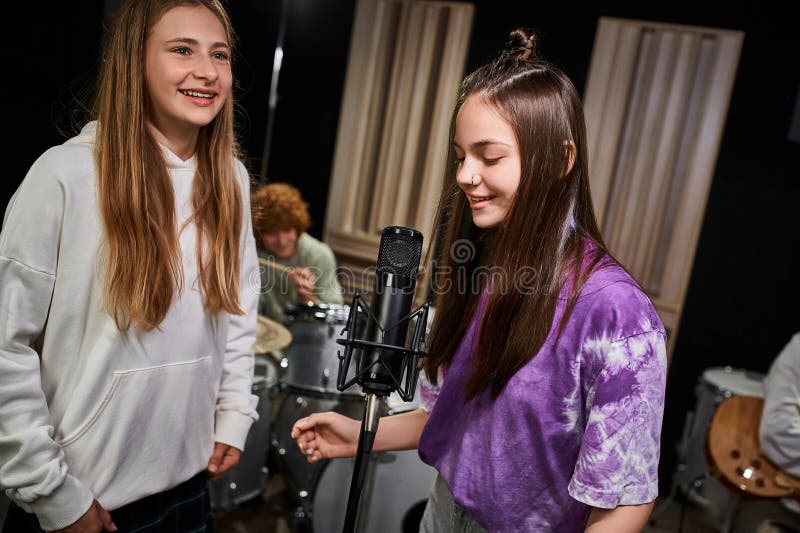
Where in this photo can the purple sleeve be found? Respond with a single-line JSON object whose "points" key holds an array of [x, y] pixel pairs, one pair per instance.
{"points": [[618, 459]]}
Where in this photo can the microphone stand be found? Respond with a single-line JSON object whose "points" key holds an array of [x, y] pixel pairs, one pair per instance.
{"points": [[375, 397], [369, 428]]}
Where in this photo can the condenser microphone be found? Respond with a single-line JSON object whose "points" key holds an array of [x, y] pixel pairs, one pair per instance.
{"points": [[378, 369], [384, 362]]}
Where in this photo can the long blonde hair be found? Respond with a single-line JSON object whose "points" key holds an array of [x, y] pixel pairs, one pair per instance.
{"points": [[142, 256]]}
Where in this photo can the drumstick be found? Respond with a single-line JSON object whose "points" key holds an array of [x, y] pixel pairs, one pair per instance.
{"points": [[276, 266]]}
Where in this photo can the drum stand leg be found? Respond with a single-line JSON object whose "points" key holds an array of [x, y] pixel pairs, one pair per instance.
{"points": [[730, 513], [664, 505], [682, 449], [300, 521], [670, 500]]}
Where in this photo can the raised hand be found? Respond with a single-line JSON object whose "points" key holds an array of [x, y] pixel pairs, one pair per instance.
{"points": [[304, 282]]}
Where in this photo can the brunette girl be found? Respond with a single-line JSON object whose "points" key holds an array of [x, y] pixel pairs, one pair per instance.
{"points": [[551, 370]]}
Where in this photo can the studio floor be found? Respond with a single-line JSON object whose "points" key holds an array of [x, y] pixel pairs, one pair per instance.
{"points": [[298, 497], [273, 512]]}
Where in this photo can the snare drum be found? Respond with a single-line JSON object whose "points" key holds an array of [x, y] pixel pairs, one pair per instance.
{"points": [[310, 365], [694, 476], [247, 479]]}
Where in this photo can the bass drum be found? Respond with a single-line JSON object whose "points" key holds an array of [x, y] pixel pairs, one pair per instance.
{"points": [[694, 476], [302, 476], [247, 479], [396, 486]]}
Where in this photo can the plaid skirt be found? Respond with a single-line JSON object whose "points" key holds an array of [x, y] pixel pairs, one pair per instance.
{"points": [[185, 508]]}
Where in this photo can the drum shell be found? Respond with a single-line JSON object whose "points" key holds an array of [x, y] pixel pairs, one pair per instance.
{"points": [[310, 365], [695, 477], [396, 482], [299, 474], [247, 479]]}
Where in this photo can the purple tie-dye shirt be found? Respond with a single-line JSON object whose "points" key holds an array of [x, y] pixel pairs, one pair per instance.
{"points": [[575, 428]]}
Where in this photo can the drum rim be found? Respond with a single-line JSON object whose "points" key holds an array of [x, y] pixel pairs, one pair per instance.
{"points": [[732, 370], [320, 392], [302, 310], [750, 376], [401, 409], [272, 376]]}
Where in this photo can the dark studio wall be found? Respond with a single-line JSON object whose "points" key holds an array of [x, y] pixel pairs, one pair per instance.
{"points": [[55, 55], [311, 82], [740, 307]]}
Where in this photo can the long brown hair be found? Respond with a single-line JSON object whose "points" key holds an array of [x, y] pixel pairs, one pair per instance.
{"points": [[143, 265], [541, 243]]}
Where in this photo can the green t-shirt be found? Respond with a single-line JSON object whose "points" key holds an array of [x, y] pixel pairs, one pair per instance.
{"points": [[277, 288]]}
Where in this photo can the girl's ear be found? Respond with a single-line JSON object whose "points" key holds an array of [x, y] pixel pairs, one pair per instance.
{"points": [[570, 153]]}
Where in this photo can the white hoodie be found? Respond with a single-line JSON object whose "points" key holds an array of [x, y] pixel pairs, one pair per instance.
{"points": [[87, 411]]}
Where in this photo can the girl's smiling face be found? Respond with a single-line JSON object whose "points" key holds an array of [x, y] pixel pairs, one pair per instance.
{"points": [[187, 70], [488, 161]]}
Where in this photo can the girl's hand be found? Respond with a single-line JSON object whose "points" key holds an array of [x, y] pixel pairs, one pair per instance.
{"points": [[326, 435], [223, 459], [95, 520]]}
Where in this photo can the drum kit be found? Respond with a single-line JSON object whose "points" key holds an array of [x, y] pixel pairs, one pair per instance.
{"points": [[696, 476], [296, 370]]}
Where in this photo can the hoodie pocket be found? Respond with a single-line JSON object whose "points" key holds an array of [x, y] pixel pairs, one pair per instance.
{"points": [[153, 427]]}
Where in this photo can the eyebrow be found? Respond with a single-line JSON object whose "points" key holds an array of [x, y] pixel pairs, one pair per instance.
{"points": [[194, 42], [482, 143]]}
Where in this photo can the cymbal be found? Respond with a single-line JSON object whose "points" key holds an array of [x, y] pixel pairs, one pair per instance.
{"points": [[270, 336]]}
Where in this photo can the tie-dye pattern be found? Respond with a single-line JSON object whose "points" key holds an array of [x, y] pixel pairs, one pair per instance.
{"points": [[578, 426], [428, 392]]}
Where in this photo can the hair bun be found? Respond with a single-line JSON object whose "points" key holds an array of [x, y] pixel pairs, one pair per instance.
{"points": [[522, 45]]}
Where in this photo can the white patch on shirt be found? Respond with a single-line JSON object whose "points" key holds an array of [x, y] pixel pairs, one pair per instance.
{"points": [[571, 404]]}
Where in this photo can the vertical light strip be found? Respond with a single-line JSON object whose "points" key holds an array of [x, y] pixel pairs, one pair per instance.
{"points": [[613, 226], [606, 102], [684, 52], [416, 121]]}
